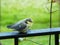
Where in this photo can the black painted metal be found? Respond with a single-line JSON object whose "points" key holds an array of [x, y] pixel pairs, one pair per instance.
{"points": [[56, 39], [38, 32], [15, 41]]}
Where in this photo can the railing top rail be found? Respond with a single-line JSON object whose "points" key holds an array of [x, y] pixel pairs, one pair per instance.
{"points": [[37, 32]]}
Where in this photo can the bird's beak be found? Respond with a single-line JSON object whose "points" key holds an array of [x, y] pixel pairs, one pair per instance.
{"points": [[29, 23]]}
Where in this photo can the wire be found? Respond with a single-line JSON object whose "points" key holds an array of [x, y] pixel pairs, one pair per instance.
{"points": [[50, 22], [34, 42]]}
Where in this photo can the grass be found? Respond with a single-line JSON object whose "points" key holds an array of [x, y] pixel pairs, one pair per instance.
{"points": [[41, 19]]}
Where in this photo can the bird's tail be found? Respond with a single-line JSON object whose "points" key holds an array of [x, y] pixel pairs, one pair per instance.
{"points": [[9, 26]]}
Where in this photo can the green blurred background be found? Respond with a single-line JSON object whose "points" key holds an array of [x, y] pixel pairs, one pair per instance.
{"points": [[39, 10]]}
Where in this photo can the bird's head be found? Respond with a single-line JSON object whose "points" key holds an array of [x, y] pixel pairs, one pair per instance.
{"points": [[28, 21]]}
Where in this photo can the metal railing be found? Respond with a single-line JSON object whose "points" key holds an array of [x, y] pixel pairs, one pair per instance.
{"points": [[40, 32]]}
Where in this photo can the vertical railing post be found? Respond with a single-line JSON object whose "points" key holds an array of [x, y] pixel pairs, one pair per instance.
{"points": [[56, 39], [15, 41]]}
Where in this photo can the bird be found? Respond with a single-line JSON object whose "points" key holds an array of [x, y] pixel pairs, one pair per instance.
{"points": [[21, 26]]}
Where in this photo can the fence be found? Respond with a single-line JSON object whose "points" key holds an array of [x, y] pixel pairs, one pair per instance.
{"points": [[40, 32]]}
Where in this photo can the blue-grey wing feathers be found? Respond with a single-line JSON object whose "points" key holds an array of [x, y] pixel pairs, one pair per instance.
{"points": [[20, 26]]}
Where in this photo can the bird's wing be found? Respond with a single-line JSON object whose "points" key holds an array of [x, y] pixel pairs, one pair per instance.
{"points": [[22, 26], [19, 27]]}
